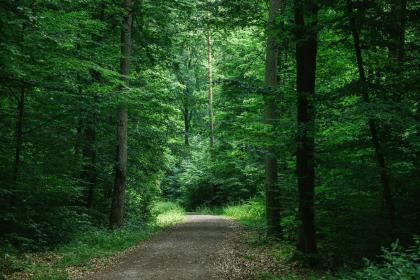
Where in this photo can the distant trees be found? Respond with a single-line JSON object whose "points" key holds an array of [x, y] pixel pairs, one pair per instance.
{"points": [[186, 68]]}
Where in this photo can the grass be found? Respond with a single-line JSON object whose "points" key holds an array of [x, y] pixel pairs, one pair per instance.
{"points": [[250, 213], [96, 244]]}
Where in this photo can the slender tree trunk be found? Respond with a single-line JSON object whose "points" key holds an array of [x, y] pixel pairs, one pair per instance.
{"points": [[89, 154], [19, 134], [86, 138], [379, 154], [306, 53], [77, 143], [210, 90], [397, 32], [19, 120], [403, 23], [187, 121], [117, 205], [271, 115]]}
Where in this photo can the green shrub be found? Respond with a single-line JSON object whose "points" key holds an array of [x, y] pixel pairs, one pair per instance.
{"points": [[93, 243], [398, 264], [251, 213], [138, 206]]}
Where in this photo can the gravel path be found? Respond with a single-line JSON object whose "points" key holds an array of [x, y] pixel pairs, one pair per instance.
{"points": [[195, 249]]}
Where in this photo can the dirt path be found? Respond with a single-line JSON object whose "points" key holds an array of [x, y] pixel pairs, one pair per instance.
{"points": [[197, 249]]}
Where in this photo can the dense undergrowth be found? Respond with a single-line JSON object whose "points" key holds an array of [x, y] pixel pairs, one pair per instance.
{"points": [[394, 263], [86, 247]]}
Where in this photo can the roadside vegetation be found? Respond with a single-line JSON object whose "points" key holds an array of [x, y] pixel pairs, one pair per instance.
{"points": [[394, 263], [89, 250]]}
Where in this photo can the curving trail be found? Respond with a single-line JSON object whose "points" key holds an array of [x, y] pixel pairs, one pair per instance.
{"points": [[195, 249]]}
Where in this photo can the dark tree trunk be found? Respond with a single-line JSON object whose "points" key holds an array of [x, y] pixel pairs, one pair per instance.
{"points": [[187, 125], [306, 53], [117, 205], [89, 154], [210, 89], [78, 141], [379, 154], [19, 134], [86, 141], [90, 168], [271, 115], [397, 31]]}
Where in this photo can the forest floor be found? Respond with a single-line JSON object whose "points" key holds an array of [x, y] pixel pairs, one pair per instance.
{"points": [[203, 247]]}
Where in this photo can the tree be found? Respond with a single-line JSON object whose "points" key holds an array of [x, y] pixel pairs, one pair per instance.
{"points": [[372, 123], [306, 55], [186, 69], [210, 88], [117, 206], [397, 29], [271, 115]]}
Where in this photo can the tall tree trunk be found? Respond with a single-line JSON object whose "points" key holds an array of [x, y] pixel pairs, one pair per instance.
{"points": [[89, 153], [86, 139], [19, 119], [397, 32], [117, 205], [271, 115], [306, 53], [187, 125], [19, 134], [210, 90], [379, 154], [78, 140]]}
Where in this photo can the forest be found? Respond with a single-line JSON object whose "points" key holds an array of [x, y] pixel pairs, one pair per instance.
{"points": [[298, 119]]}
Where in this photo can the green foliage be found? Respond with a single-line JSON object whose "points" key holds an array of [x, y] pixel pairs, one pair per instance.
{"points": [[168, 213], [396, 263], [63, 59], [60, 89], [90, 244], [214, 180], [251, 213]]}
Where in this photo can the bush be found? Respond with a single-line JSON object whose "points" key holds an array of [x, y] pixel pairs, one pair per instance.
{"points": [[84, 246], [398, 264]]}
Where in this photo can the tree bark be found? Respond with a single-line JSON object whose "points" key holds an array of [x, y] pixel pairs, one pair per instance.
{"points": [[306, 53], [19, 136], [210, 89], [78, 140], [117, 205], [187, 125], [271, 115], [379, 154], [89, 153], [86, 141], [19, 119], [397, 31]]}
